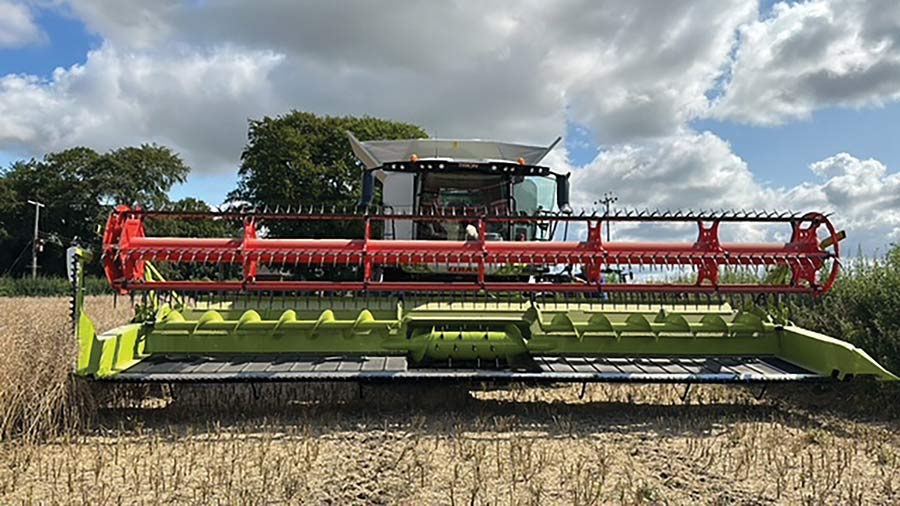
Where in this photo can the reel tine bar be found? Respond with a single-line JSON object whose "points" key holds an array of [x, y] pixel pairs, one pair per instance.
{"points": [[127, 248]]}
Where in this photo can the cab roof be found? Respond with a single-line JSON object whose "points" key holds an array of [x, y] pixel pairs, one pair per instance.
{"points": [[375, 154]]}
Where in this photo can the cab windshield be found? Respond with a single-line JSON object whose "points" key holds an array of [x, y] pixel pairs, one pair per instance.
{"points": [[474, 194]]}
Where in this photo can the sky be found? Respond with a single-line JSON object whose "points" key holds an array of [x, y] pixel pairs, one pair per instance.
{"points": [[702, 104]]}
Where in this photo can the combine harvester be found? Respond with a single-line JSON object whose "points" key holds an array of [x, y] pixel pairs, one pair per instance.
{"points": [[465, 271]]}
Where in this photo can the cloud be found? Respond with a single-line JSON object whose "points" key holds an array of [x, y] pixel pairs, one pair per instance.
{"points": [[514, 70], [627, 69], [17, 26], [699, 171], [811, 55], [863, 195], [196, 102], [688, 171], [692, 170], [640, 71], [136, 23]]}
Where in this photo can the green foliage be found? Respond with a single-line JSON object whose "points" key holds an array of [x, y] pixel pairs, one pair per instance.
{"points": [[77, 186], [863, 308], [7, 205], [47, 286], [303, 159], [141, 175]]}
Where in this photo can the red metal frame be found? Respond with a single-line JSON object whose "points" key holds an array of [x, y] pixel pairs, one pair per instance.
{"points": [[126, 248]]}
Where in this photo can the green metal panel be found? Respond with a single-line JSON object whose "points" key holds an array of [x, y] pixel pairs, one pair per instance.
{"points": [[441, 331], [112, 351], [828, 356]]}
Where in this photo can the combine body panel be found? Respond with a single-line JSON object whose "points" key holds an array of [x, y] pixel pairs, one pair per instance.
{"points": [[469, 279]]}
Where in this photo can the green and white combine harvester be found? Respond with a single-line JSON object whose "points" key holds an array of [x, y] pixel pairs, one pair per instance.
{"points": [[464, 271]]}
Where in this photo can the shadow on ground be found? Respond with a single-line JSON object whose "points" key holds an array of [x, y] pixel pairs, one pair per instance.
{"points": [[444, 410]]}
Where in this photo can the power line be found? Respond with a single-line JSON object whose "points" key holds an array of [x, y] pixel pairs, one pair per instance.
{"points": [[19, 257]]}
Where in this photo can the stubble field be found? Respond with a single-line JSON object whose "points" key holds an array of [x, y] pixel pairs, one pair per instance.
{"points": [[68, 442]]}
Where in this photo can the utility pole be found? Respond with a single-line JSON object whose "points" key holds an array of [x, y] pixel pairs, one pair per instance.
{"points": [[35, 244], [608, 199]]}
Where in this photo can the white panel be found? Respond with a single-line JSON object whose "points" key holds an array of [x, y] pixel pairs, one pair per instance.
{"points": [[376, 153]]}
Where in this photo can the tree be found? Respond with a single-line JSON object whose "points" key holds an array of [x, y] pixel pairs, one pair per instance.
{"points": [[78, 186], [142, 175], [7, 196], [303, 159]]}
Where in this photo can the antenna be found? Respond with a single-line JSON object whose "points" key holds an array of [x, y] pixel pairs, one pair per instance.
{"points": [[608, 199]]}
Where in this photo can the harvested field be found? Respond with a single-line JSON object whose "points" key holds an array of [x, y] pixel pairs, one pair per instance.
{"points": [[66, 442]]}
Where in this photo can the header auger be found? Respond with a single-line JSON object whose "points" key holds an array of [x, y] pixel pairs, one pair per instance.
{"points": [[467, 270]]}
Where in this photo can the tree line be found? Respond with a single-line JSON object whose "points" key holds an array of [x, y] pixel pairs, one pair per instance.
{"points": [[291, 159]]}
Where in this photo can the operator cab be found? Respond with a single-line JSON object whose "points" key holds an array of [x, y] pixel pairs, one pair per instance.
{"points": [[456, 179]]}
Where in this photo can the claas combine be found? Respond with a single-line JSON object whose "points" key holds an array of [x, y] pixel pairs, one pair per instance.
{"points": [[471, 266]]}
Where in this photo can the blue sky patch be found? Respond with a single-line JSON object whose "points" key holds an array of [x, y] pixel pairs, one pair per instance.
{"points": [[67, 43], [780, 155]]}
